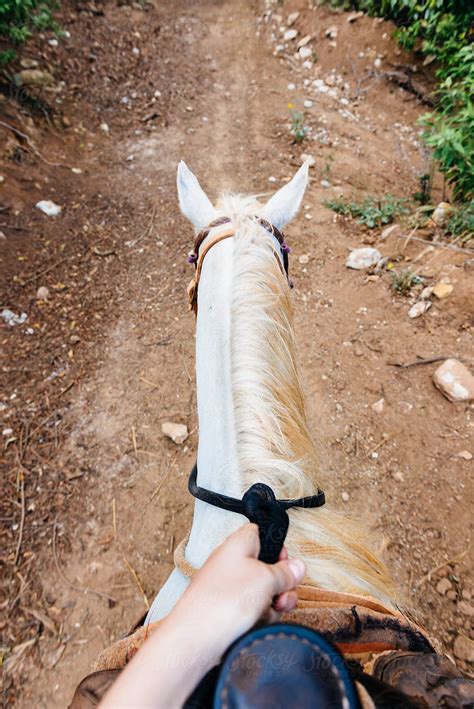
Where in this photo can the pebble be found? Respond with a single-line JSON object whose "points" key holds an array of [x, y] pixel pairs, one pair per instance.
{"points": [[426, 293], [305, 52], [463, 648], [49, 207], [345, 496], [289, 35], [397, 475], [12, 319], [465, 608], [442, 290], [308, 103], [291, 87], [442, 213], [443, 586], [325, 184], [178, 432], [377, 63], [310, 159], [331, 32], [272, 178], [452, 595], [365, 257], [419, 308], [104, 128], [42, 293], [7, 432], [76, 170], [34, 77], [454, 380], [292, 17], [53, 42], [304, 41], [330, 80], [465, 455], [379, 405], [27, 63], [389, 230], [303, 259], [354, 16]]}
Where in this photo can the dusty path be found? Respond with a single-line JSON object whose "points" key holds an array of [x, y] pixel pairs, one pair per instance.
{"points": [[226, 101]]}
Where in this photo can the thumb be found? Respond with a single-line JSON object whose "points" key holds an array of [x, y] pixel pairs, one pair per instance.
{"points": [[287, 574], [245, 542]]}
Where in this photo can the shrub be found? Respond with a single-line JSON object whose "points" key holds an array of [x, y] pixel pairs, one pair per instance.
{"points": [[18, 20], [371, 212]]}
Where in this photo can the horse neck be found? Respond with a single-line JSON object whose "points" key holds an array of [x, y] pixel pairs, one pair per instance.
{"points": [[218, 465]]}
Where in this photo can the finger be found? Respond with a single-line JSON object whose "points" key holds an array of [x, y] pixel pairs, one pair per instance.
{"points": [[286, 575], [285, 602], [283, 554], [245, 542]]}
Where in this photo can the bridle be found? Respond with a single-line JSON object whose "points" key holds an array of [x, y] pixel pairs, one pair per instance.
{"points": [[261, 507], [201, 249]]}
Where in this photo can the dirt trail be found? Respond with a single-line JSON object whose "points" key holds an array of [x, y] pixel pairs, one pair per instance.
{"points": [[226, 115]]}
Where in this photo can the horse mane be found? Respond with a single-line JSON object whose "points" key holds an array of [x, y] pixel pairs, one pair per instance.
{"points": [[274, 443]]}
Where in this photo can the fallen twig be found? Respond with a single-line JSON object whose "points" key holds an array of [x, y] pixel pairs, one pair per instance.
{"points": [[137, 580], [30, 143], [158, 487], [97, 252], [429, 360], [454, 560], [22, 519], [460, 249]]}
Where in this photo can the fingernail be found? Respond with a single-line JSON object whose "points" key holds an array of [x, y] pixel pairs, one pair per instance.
{"points": [[297, 568]]}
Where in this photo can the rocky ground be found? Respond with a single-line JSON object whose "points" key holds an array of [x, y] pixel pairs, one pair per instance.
{"points": [[94, 497]]}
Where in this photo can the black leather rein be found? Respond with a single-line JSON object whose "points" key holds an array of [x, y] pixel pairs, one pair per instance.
{"points": [[261, 507]]}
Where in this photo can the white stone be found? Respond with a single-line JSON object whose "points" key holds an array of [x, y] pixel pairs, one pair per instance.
{"points": [[308, 103], [272, 178], [292, 17], [104, 128], [310, 159], [454, 380], [363, 258], [379, 405], [48, 207], [419, 308], [303, 259], [291, 87], [289, 35], [345, 496], [304, 41], [305, 52], [178, 432], [325, 184], [42, 293]]}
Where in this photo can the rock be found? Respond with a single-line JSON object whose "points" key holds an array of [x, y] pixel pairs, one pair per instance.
{"points": [[354, 16], [53, 42], [397, 475], [325, 184], [442, 290], [378, 407], [104, 128], [330, 80], [452, 595], [289, 35], [27, 63], [74, 339], [469, 264], [345, 496], [304, 41], [443, 586], [465, 608], [291, 87], [42, 293], [76, 170], [12, 319], [308, 103], [305, 52], [389, 230], [465, 455], [272, 178], [34, 77], [463, 648], [377, 63], [363, 258], [49, 207], [331, 32], [426, 293], [419, 308], [442, 213], [178, 432], [292, 17], [467, 595], [454, 380], [303, 259], [310, 159]]}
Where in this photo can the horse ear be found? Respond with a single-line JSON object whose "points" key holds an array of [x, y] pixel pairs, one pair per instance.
{"points": [[193, 201], [282, 207]]}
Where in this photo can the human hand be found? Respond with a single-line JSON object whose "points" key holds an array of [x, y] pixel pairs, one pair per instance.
{"points": [[233, 590]]}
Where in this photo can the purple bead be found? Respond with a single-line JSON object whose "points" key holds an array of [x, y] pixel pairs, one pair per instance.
{"points": [[192, 257], [285, 248]]}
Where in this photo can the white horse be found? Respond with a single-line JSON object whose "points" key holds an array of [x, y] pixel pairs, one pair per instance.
{"points": [[252, 421]]}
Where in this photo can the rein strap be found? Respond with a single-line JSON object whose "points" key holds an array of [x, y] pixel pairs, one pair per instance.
{"points": [[261, 507]]}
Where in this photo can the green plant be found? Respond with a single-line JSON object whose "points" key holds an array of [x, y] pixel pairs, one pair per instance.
{"points": [[461, 223], [442, 31], [371, 212], [423, 196], [297, 127], [405, 280], [19, 19]]}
